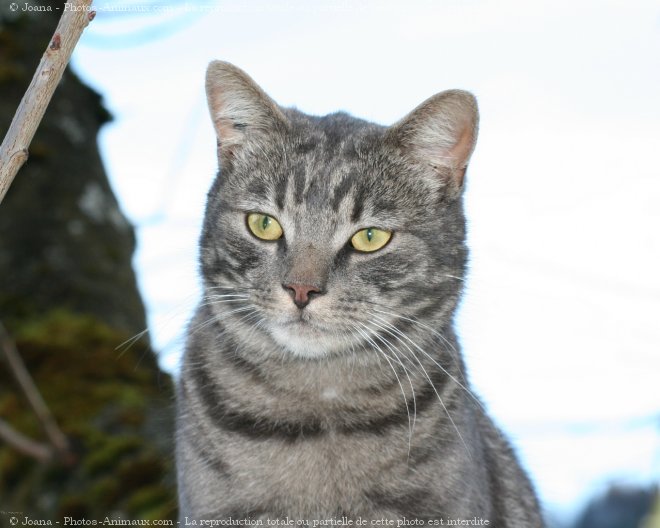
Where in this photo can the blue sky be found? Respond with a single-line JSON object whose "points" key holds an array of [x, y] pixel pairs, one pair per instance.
{"points": [[561, 321]]}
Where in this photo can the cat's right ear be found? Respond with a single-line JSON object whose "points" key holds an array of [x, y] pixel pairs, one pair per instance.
{"points": [[240, 109], [440, 134]]}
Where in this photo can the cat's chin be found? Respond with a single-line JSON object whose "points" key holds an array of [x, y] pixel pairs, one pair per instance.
{"points": [[305, 340]]}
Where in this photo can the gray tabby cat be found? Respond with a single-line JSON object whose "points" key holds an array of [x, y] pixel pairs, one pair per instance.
{"points": [[322, 378]]}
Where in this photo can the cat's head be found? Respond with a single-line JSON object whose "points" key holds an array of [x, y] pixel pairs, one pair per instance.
{"points": [[326, 232]]}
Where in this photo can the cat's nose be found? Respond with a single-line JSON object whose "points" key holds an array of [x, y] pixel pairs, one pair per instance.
{"points": [[302, 293]]}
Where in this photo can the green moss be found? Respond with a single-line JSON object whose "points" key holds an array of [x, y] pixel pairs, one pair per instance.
{"points": [[149, 503], [105, 492], [140, 471], [110, 407], [62, 328], [106, 455], [69, 299]]}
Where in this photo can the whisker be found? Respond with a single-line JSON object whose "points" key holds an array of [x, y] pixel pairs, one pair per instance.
{"points": [[131, 341], [405, 399], [422, 325], [442, 403], [453, 277], [468, 391], [412, 388], [243, 294], [215, 318]]}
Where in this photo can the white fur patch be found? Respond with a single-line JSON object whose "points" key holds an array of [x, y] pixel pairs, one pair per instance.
{"points": [[304, 340], [329, 393]]}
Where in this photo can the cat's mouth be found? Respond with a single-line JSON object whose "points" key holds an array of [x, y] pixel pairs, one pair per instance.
{"points": [[303, 330], [303, 325], [305, 337]]}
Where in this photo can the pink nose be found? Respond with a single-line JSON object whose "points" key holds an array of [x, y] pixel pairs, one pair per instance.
{"points": [[301, 293]]}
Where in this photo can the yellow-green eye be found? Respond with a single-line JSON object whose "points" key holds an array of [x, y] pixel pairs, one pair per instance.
{"points": [[264, 227], [370, 239]]}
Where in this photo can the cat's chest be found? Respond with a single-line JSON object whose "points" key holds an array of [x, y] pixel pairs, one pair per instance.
{"points": [[310, 474]]}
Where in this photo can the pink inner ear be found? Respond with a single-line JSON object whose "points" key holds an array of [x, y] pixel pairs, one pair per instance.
{"points": [[460, 152], [227, 133], [462, 149]]}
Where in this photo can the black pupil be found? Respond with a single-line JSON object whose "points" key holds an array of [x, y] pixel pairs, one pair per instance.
{"points": [[265, 222], [370, 234]]}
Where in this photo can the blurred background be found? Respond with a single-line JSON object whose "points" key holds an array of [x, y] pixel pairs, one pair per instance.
{"points": [[560, 324]]}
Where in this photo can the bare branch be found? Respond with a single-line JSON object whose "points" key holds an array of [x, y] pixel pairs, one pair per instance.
{"points": [[14, 149], [46, 419], [23, 444]]}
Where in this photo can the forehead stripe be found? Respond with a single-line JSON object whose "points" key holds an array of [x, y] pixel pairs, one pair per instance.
{"points": [[343, 188]]}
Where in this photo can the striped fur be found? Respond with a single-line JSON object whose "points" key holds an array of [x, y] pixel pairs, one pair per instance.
{"points": [[356, 405]]}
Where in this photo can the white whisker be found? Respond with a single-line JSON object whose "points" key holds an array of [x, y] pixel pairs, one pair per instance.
{"points": [[403, 392], [442, 403], [412, 388], [468, 391]]}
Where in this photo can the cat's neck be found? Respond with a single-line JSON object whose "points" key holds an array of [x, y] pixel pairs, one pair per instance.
{"points": [[256, 359]]}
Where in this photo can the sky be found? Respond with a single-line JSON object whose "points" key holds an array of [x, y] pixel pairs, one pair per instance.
{"points": [[560, 324]]}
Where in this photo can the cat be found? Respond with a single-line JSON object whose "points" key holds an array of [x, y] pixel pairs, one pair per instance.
{"points": [[322, 377]]}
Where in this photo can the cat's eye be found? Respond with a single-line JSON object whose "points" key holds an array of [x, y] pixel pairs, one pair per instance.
{"points": [[264, 227], [370, 239]]}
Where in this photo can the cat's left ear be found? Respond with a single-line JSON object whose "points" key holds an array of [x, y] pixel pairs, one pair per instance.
{"points": [[441, 134], [240, 109]]}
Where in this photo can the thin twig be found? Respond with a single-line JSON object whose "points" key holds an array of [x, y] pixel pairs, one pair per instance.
{"points": [[25, 445], [14, 149], [46, 419]]}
